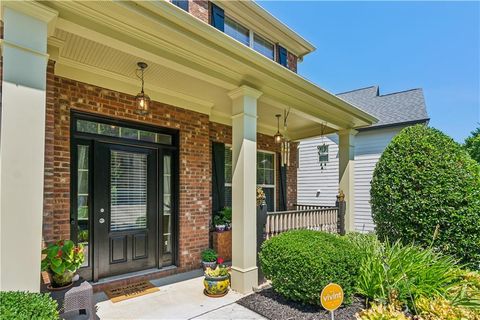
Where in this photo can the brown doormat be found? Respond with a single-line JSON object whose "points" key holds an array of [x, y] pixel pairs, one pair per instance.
{"points": [[130, 291]]}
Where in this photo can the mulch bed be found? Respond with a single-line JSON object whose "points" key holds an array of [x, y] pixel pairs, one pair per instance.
{"points": [[273, 306]]}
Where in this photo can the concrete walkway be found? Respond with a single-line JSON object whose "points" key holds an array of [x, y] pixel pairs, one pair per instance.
{"points": [[179, 300]]}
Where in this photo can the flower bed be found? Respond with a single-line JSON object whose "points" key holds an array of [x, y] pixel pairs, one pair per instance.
{"points": [[389, 280]]}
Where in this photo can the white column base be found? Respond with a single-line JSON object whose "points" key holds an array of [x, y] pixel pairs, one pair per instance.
{"points": [[244, 280]]}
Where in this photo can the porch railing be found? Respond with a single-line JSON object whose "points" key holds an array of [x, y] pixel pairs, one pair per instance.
{"points": [[321, 219], [306, 216]]}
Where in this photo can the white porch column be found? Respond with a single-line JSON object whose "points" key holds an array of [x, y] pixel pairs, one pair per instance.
{"points": [[244, 181], [346, 155], [22, 135]]}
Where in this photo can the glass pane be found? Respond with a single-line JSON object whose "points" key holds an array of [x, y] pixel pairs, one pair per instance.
{"points": [[87, 126], [108, 130], [82, 200], [269, 177], [116, 131], [237, 31], [167, 208], [228, 174], [167, 165], [167, 243], [147, 136], [166, 224], [82, 157], [167, 204], [268, 160], [228, 196], [269, 198], [83, 213], [164, 138], [129, 133], [128, 191], [82, 181], [263, 46], [228, 165], [260, 158], [166, 184], [260, 176]]}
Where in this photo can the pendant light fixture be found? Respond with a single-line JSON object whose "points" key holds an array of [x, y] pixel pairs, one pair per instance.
{"points": [[278, 136], [142, 100], [322, 149]]}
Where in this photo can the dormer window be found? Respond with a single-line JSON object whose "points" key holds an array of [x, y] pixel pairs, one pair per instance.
{"points": [[237, 31]]}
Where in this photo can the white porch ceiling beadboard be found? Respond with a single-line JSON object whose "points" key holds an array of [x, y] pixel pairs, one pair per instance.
{"points": [[78, 52]]}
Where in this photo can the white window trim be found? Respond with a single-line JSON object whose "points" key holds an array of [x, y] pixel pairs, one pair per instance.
{"points": [[229, 184]]}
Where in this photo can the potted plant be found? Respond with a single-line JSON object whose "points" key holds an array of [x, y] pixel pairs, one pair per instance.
{"points": [[227, 217], [216, 280], [61, 260], [209, 258], [219, 222]]}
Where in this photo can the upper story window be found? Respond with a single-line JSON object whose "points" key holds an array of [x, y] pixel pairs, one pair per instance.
{"points": [[264, 47], [237, 31], [224, 23], [249, 38], [181, 4]]}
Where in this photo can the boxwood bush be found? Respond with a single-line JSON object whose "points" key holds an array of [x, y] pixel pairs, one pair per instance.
{"points": [[301, 263], [27, 305], [425, 184]]}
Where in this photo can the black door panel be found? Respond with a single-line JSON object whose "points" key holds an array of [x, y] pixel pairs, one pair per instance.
{"points": [[125, 209]]}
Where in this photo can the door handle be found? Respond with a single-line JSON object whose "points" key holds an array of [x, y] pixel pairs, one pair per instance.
{"points": [[101, 220]]}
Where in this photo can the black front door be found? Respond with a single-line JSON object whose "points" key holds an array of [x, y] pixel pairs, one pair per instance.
{"points": [[125, 208]]}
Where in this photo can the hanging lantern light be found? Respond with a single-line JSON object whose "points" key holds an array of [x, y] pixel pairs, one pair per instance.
{"points": [[278, 136], [322, 150], [142, 100]]}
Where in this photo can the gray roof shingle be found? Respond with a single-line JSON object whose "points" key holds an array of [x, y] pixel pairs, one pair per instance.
{"points": [[390, 109]]}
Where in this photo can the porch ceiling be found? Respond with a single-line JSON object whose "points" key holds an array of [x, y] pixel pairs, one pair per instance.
{"points": [[191, 65]]}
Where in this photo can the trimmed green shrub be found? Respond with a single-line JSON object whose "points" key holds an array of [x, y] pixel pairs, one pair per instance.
{"points": [[301, 263], [27, 305], [425, 186]]}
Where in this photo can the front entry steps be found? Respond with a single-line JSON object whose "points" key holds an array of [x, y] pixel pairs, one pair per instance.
{"points": [[164, 276]]}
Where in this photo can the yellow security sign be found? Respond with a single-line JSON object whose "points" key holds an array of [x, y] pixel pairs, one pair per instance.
{"points": [[331, 297]]}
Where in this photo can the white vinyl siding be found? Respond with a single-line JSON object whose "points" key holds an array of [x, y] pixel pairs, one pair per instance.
{"points": [[369, 146], [312, 179]]}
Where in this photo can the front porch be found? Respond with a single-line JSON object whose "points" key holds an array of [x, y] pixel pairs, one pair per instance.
{"points": [[70, 134], [187, 288]]}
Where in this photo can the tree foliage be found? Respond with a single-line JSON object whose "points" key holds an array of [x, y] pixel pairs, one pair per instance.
{"points": [[472, 144]]}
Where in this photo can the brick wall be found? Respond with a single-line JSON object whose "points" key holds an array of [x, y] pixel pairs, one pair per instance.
{"points": [[292, 62], [196, 134], [199, 9], [194, 152]]}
